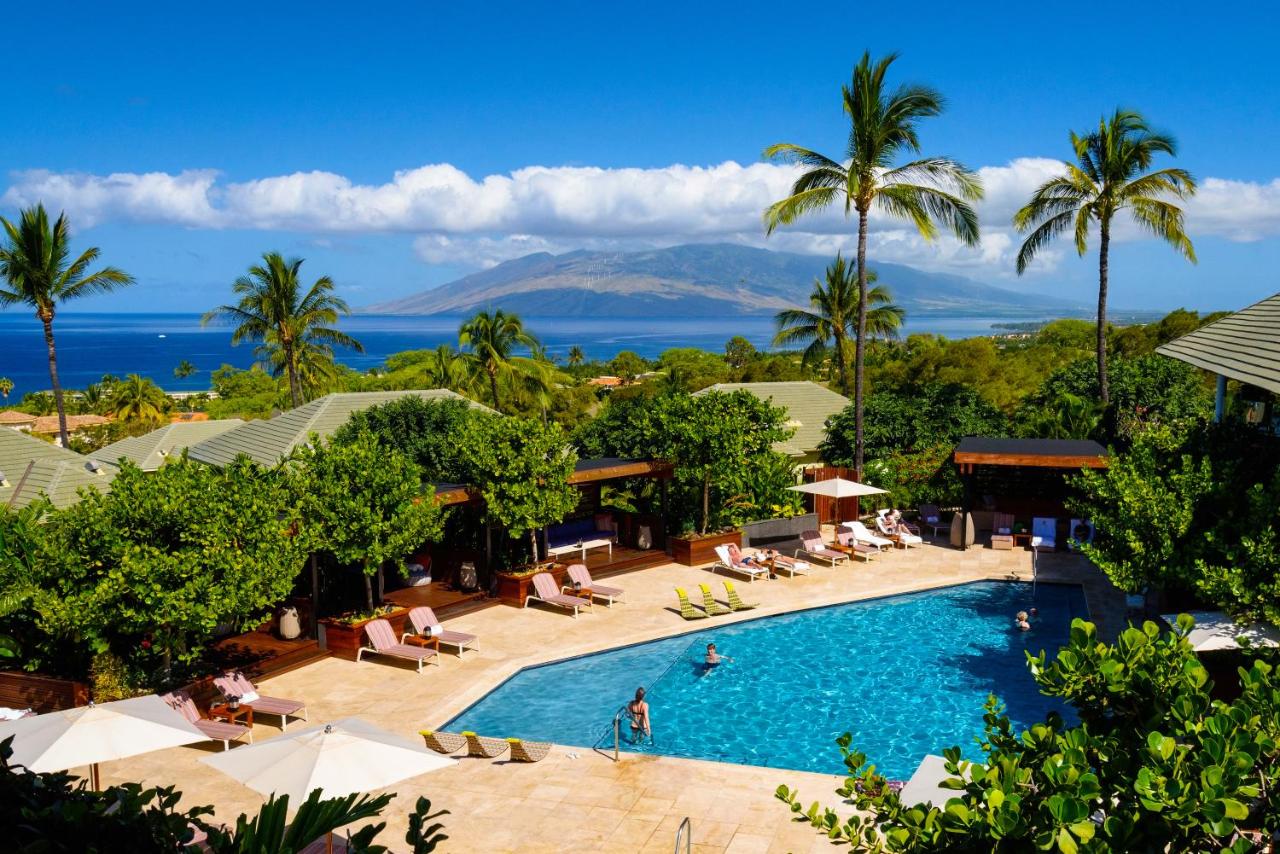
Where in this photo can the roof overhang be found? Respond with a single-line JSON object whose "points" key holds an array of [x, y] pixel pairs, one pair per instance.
{"points": [[1037, 453], [611, 468]]}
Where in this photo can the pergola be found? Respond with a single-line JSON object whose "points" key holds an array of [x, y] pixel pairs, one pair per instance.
{"points": [[977, 455]]}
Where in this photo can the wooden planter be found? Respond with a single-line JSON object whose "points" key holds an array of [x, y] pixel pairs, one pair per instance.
{"points": [[696, 551], [41, 693], [343, 640], [512, 590]]}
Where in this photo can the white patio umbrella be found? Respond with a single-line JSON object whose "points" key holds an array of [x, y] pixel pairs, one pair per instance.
{"points": [[838, 487], [342, 758], [925, 785], [87, 735]]}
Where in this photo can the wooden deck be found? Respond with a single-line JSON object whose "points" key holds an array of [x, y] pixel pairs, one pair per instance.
{"points": [[438, 598], [260, 653], [624, 559]]}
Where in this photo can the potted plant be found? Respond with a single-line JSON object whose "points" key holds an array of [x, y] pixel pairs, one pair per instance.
{"points": [[693, 549], [344, 633]]}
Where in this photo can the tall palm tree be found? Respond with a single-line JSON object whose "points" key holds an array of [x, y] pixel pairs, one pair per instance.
{"points": [[833, 317], [137, 398], [1110, 175], [36, 270], [447, 369], [276, 312], [926, 191], [313, 361], [576, 356], [491, 338], [184, 370]]}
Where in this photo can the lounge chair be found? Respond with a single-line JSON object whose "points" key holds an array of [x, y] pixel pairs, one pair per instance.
{"points": [[422, 618], [578, 575], [905, 538], [735, 601], [181, 702], [443, 742], [816, 548], [1044, 533], [750, 569], [528, 751], [382, 641], [710, 605], [848, 542], [236, 684], [862, 535], [544, 590], [1002, 531], [686, 607], [778, 563], [931, 517], [884, 512], [484, 747]]}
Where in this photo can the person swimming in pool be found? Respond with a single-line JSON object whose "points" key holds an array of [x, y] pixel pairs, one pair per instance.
{"points": [[1021, 621], [638, 712], [713, 658]]}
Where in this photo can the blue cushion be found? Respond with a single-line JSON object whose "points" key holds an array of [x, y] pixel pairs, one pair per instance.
{"points": [[574, 531]]}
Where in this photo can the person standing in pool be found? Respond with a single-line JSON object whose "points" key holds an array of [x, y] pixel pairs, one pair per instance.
{"points": [[1021, 621], [713, 658], [638, 712]]}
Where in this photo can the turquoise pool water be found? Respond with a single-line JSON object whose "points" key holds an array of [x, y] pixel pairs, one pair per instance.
{"points": [[907, 675]]}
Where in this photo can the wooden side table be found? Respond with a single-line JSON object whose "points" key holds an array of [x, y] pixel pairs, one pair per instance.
{"points": [[423, 641], [223, 712]]}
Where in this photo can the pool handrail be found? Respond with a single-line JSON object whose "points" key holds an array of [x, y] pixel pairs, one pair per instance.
{"points": [[688, 838]]}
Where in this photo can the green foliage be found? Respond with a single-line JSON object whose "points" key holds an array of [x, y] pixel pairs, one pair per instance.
{"points": [[1155, 765], [426, 431], [738, 351], [112, 678], [363, 502], [628, 365], [490, 340], [421, 836], [148, 571], [137, 398], [690, 369], [184, 369], [1198, 512], [521, 468], [251, 393]]}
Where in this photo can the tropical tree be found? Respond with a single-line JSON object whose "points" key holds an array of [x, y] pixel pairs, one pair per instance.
{"points": [[576, 356], [275, 311], [315, 368], [924, 191], [834, 316], [184, 370], [36, 270], [1110, 175], [137, 398], [6, 386], [491, 339]]}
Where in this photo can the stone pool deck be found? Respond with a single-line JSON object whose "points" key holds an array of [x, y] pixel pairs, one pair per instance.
{"points": [[576, 799]]}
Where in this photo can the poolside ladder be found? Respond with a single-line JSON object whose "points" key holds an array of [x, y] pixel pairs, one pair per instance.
{"points": [[686, 836]]}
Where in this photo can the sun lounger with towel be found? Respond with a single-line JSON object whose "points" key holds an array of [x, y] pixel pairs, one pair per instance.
{"points": [[422, 618], [181, 702], [862, 535], [579, 575], [904, 536], [236, 684], [443, 742], [751, 569], [484, 747], [735, 601], [709, 604], [686, 607], [528, 751], [544, 590], [1044, 533], [816, 548], [382, 641]]}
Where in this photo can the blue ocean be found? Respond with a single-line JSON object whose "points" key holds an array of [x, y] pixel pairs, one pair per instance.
{"points": [[92, 344]]}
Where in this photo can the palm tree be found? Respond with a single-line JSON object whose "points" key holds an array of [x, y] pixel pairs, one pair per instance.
{"points": [[184, 370], [35, 270], [1109, 175], [137, 398], [576, 356], [925, 191], [315, 369], [277, 313], [446, 368], [491, 337], [6, 386], [833, 316]]}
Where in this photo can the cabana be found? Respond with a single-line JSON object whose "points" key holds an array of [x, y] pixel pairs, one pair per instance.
{"points": [[1022, 477]]}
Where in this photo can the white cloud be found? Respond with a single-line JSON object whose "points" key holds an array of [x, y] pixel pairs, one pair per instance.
{"points": [[462, 220]]}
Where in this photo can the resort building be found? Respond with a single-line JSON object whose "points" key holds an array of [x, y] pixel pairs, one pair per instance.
{"points": [[47, 425], [15, 420], [150, 450], [1244, 347], [808, 407], [31, 468], [267, 442]]}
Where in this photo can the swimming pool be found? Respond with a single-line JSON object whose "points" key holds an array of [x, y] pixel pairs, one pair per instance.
{"points": [[907, 675]]}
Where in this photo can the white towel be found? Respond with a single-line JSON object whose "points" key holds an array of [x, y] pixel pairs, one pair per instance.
{"points": [[248, 696], [7, 714], [435, 629]]}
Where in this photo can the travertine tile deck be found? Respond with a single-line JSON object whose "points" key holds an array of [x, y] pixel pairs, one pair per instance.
{"points": [[577, 800]]}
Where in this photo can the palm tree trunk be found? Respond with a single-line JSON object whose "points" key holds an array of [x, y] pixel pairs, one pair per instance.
{"points": [[493, 386], [295, 393], [858, 344], [1104, 247], [47, 320], [842, 362]]}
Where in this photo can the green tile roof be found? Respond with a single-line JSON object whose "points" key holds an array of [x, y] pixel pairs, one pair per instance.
{"points": [[150, 450], [1244, 346], [267, 441], [808, 407], [31, 467]]}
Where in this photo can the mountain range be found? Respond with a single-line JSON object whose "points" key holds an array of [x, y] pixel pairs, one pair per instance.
{"points": [[705, 280]]}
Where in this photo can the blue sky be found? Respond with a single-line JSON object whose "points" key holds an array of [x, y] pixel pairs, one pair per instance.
{"points": [[185, 143]]}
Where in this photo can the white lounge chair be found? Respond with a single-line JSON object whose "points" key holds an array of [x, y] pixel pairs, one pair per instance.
{"points": [[1044, 533], [862, 535], [907, 538], [751, 570]]}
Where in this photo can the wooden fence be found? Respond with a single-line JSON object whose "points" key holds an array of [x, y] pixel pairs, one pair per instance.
{"points": [[831, 511], [40, 693]]}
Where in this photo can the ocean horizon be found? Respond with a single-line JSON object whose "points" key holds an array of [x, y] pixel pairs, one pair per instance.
{"points": [[91, 344]]}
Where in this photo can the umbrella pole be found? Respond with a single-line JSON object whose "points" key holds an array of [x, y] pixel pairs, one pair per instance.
{"points": [[328, 842], [94, 777]]}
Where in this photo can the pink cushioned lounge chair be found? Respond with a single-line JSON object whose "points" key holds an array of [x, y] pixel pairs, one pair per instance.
{"points": [[181, 702], [578, 575], [236, 684], [815, 547], [544, 590], [423, 617], [382, 641]]}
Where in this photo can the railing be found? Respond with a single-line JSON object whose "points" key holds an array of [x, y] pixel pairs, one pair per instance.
{"points": [[686, 836], [622, 710]]}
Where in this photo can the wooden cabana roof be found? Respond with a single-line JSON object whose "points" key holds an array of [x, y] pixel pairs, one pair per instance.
{"points": [[1036, 453], [610, 468]]}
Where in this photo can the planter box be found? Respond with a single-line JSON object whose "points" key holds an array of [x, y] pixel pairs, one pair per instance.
{"points": [[41, 693], [343, 640], [513, 590], [772, 532], [696, 551]]}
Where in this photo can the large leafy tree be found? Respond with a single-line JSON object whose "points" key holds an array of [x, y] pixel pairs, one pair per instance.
{"points": [[832, 316], [289, 321], [1156, 764], [426, 431], [364, 503], [1111, 173], [925, 192], [138, 399], [490, 340], [37, 269]]}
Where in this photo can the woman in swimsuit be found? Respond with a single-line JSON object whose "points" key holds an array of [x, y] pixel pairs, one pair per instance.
{"points": [[638, 711]]}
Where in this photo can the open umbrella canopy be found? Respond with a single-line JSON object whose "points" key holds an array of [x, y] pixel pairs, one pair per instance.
{"points": [[342, 758], [925, 785], [87, 735], [838, 487], [1214, 630]]}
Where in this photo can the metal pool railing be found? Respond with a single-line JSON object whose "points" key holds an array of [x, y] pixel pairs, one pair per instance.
{"points": [[685, 832], [616, 725]]}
